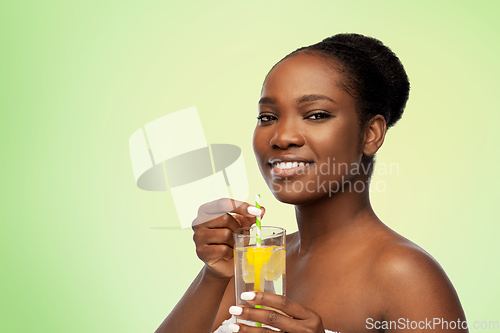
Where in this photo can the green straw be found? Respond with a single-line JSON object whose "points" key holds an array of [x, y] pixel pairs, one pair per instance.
{"points": [[259, 240], [257, 221]]}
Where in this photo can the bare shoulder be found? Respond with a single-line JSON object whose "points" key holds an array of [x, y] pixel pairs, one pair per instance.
{"points": [[411, 284], [399, 258]]}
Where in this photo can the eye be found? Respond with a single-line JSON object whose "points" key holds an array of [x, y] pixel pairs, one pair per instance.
{"points": [[265, 118], [319, 115]]}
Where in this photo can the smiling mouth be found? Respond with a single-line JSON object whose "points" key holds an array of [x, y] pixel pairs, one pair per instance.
{"points": [[289, 169], [289, 165]]}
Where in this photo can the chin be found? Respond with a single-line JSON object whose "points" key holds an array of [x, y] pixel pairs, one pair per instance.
{"points": [[292, 197]]}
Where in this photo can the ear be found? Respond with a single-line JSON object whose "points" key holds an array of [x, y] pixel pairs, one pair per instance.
{"points": [[374, 135]]}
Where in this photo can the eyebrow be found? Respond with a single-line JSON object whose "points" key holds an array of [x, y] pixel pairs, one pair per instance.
{"points": [[303, 99], [314, 97], [267, 100]]}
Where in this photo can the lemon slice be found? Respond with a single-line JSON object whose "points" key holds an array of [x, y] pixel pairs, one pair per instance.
{"points": [[275, 266], [248, 270]]}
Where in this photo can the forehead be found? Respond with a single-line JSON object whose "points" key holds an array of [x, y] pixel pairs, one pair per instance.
{"points": [[303, 73]]}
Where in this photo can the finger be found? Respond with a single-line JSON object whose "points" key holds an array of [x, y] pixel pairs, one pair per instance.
{"points": [[219, 236], [242, 328], [226, 205], [263, 211], [267, 317], [244, 221], [249, 221], [278, 302], [213, 253], [224, 221]]}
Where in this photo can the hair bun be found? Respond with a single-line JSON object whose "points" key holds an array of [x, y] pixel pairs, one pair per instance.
{"points": [[389, 66]]}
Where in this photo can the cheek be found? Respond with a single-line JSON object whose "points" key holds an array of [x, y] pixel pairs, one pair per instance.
{"points": [[258, 143], [339, 144], [255, 139]]}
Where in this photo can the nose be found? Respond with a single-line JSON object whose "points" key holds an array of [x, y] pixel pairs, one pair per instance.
{"points": [[287, 134]]}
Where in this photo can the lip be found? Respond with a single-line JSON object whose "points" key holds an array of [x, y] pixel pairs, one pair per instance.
{"points": [[299, 170], [289, 158]]}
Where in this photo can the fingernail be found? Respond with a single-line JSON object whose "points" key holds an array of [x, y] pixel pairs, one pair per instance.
{"points": [[235, 310], [233, 327], [254, 211], [248, 296]]}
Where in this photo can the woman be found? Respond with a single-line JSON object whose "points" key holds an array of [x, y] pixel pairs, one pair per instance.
{"points": [[323, 114]]}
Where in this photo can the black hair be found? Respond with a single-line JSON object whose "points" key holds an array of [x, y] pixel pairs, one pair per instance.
{"points": [[373, 75]]}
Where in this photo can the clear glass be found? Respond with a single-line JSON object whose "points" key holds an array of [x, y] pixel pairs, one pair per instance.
{"points": [[259, 267]]}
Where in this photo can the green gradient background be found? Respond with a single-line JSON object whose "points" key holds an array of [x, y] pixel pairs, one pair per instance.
{"points": [[82, 249]]}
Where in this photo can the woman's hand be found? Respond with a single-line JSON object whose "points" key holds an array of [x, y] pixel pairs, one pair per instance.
{"points": [[213, 233], [298, 319]]}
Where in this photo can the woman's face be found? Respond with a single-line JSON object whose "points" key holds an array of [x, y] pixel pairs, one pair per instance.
{"points": [[307, 138]]}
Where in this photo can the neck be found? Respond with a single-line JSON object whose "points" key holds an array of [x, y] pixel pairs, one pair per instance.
{"points": [[329, 218]]}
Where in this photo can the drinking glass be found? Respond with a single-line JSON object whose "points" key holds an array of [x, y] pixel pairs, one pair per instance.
{"points": [[259, 262]]}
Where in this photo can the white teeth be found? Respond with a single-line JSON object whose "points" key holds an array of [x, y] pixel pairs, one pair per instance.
{"points": [[289, 165]]}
